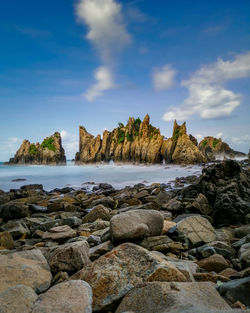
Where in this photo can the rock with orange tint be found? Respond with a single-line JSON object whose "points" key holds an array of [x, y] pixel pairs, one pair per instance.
{"points": [[167, 225], [214, 263], [112, 275]]}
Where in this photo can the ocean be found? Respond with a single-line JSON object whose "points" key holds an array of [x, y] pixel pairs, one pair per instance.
{"points": [[78, 176]]}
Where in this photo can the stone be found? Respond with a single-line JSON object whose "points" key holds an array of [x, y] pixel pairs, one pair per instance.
{"points": [[135, 225], [112, 275], [215, 263], [196, 229], [97, 251], [202, 205], [244, 255], [236, 290], [163, 297], [218, 247], [74, 296], [167, 225], [242, 241], [17, 229], [69, 257], [17, 299], [29, 268], [6, 240], [230, 273], [13, 210], [59, 233], [213, 277], [98, 212], [173, 205], [162, 243], [242, 231]]}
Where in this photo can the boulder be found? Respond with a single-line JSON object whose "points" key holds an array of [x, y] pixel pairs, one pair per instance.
{"points": [[74, 296], [163, 297], [215, 263], [6, 240], [112, 275], [29, 268], [237, 289], [17, 229], [59, 233], [97, 251], [162, 243], [244, 255], [135, 225], [13, 210], [98, 212], [202, 205], [196, 229], [17, 299], [69, 257]]}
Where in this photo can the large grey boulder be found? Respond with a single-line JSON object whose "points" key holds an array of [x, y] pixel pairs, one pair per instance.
{"points": [[29, 268], [17, 299], [13, 210], [112, 275], [73, 296], [163, 297], [69, 257], [135, 225]]}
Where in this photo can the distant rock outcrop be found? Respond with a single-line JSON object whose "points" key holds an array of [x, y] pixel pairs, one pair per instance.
{"points": [[214, 148], [50, 151], [139, 142]]}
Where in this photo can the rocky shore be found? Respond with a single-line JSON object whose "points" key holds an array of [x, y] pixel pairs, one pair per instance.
{"points": [[49, 152], [141, 249]]}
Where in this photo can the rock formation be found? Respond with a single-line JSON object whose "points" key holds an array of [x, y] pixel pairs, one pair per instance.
{"points": [[139, 142], [50, 151], [214, 148]]}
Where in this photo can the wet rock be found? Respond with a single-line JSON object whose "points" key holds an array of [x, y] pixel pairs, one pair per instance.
{"points": [[215, 263], [135, 225], [98, 212], [118, 271], [34, 208], [196, 229], [59, 233], [13, 210], [25, 267], [71, 296], [242, 241], [175, 297], [17, 299], [235, 290], [6, 240], [69, 257]]}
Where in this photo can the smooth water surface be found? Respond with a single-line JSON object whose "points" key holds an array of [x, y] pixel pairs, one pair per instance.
{"points": [[74, 175]]}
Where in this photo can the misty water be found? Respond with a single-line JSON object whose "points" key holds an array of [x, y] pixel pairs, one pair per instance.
{"points": [[77, 176]]}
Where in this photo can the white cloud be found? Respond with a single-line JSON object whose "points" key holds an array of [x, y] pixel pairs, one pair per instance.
{"points": [[9, 147], [208, 98], [163, 78], [70, 143], [107, 32], [106, 28], [104, 81]]}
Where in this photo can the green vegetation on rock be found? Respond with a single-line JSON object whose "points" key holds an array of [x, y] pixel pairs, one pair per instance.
{"points": [[215, 142], [129, 137], [32, 149], [204, 143], [120, 125], [176, 134], [121, 135], [48, 143]]}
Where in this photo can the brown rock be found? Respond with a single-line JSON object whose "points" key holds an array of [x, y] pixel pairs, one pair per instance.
{"points": [[59, 233], [174, 297], [112, 275], [6, 240], [99, 211], [74, 296], [29, 268], [215, 262], [201, 204]]}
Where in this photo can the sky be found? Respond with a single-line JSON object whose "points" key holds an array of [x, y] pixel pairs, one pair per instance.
{"points": [[65, 63]]}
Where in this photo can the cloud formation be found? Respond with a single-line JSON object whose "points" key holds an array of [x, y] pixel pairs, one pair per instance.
{"points": [[163, 78], [107, 32], [208, 97], [104, 81]]}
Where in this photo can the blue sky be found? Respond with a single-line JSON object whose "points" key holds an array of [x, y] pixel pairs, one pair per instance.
{"points": [[96, 62]]}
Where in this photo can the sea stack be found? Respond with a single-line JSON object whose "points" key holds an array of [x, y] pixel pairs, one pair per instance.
{"points": [[139, 142], [49, 152]]}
